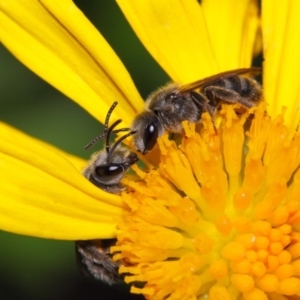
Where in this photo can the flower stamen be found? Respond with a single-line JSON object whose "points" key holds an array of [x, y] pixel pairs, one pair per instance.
{"points": [[208, 221]]}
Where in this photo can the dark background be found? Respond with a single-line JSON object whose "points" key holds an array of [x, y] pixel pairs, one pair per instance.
{"points": [[32, 268]]}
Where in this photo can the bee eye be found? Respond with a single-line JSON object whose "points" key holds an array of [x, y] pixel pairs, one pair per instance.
{"points": [[150, 137], [107, 172]]}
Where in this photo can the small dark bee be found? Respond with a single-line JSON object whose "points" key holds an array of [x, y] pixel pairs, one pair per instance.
{"points": [[105, 170], [107, 167], [172, 104]]}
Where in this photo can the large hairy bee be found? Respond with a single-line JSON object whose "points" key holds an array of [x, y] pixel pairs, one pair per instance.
{"points": [[105, 170], [172, 104]]}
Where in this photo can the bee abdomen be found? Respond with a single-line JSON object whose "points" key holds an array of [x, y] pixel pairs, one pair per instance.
{"points": [[245, 87]]}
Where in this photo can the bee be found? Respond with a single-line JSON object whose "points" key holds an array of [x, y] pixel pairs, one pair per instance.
{"points": [[167, 107], [105, 170], [107, 167]]}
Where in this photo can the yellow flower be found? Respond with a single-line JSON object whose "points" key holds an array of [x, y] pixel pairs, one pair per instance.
{"points": [[58, 43], [216, 215]]}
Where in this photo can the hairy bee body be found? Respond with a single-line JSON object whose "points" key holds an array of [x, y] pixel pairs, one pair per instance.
{"points": [[170, 105]]}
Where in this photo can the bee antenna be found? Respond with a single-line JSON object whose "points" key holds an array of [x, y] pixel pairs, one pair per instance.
{"points": [[104, 134], [108, 116], [117, 143], [94, 141], [109, 132]]}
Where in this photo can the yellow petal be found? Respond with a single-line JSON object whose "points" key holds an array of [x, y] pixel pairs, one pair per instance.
{"points": [[175, 34], [217, 36], [232, 27], [43, 194], [281, 37], [55, 40]]}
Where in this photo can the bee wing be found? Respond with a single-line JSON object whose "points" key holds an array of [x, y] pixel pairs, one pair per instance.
{"points": [[252, 72]]}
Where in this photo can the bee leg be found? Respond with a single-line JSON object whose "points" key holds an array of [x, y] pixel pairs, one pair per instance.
{"points": [[204, 106], [218, 95], [202, 102], [211, 110]]}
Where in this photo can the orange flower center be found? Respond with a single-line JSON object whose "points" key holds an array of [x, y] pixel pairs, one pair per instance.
{"points": [[219, 216]]}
